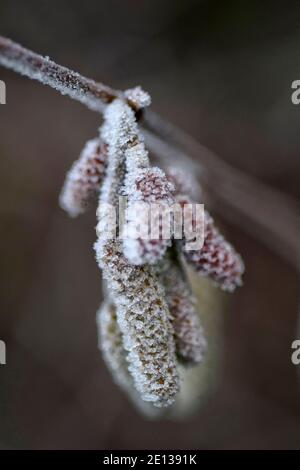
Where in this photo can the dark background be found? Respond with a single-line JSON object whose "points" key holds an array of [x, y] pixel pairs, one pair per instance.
{"points": [[222, 71]]}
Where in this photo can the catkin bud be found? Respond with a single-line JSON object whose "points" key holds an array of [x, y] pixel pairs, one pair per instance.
{"points": [[217, 259], [84, 179]]}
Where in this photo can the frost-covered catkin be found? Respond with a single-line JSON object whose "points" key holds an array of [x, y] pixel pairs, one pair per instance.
{"points": [[84, 179], [143, 318], [217, 259], [188, 332], [142, 312]]}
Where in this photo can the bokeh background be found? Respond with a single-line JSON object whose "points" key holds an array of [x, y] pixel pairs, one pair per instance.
{"points": [[223, 72]]}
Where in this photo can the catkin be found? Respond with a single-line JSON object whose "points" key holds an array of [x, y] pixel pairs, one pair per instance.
{"points": [[83, 181], [142, 312], [188, 332]]}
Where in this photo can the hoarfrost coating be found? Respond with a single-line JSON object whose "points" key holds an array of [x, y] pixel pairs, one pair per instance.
{"points": [[142, 312]]}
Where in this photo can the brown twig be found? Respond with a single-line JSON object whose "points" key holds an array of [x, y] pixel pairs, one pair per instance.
{"points": [[94, 95], [264, 212]]}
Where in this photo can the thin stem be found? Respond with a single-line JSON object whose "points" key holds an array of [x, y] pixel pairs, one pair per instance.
{"points": [[94, 95]]}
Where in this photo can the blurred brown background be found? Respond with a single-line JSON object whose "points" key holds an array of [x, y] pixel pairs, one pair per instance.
{"points": [[221, 70]]}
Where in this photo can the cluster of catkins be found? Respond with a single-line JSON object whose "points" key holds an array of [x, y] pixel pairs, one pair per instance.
{"points": [[148, 323]]}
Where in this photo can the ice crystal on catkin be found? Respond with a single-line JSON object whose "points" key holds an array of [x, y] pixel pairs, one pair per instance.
{"points": [[142, 312], [83, 181], [120, 128], [188, 332], [138, 97]]}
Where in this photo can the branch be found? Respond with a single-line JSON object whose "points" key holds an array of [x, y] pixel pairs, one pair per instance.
{"points": [[94, 95], [267, 214]]}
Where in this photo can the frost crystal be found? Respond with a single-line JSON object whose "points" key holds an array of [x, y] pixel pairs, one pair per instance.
{"points": [[188, 333], [142, 313], [138, 97], [83, 181]]}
